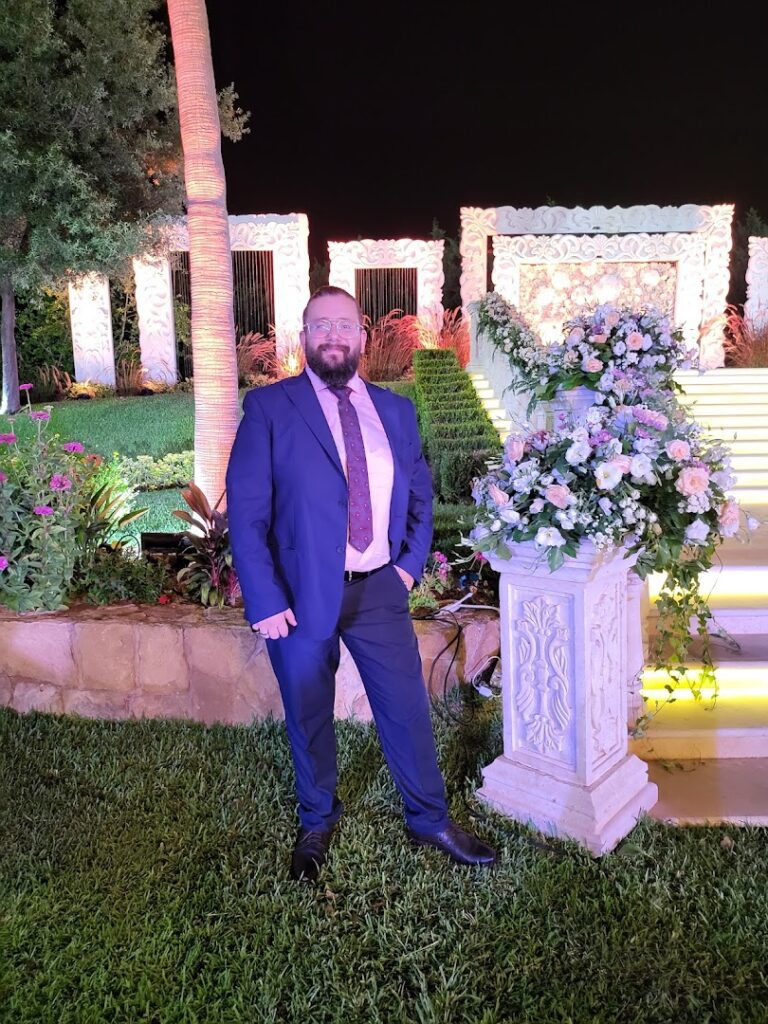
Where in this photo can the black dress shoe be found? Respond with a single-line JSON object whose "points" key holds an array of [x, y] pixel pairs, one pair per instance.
{"points": [[457, 844], [309, 854]]}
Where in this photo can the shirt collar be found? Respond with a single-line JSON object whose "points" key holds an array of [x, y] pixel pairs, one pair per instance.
{"points": [[355, 382]]}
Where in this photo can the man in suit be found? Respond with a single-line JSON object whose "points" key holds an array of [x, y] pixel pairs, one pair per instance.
{"points": [[330, 516]]}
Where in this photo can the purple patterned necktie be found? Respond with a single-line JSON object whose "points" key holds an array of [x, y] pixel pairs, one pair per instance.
{"points": [[360, 515]]}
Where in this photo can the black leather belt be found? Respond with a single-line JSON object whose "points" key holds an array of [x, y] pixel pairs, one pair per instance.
{"points": [[350, 575]]}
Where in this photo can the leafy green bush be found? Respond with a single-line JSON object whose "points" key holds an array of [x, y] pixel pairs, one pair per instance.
{"points": [[148, 474], [114, 575], [459, 467], [43, 334], [448, 526]]}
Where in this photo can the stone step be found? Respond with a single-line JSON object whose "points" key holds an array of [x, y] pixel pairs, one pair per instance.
{"points": [[687, 729], [706, 792]]}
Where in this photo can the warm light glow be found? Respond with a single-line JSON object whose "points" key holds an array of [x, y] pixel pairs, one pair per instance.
{"points": [[733, 682], [727, 583]]}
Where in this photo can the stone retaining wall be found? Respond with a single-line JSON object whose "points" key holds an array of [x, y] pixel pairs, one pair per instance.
{"points": [[182, 661]]}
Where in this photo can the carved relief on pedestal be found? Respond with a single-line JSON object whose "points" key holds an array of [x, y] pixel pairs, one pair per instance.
{"points": [[756, 306], [367, 253], [607, 724], [91, 319], [541, 694]]}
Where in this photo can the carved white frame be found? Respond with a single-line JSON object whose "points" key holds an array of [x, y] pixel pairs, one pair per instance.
{"points": [[687, 251], [286, 236], [399, 253], [711, 222], [756, 306]]}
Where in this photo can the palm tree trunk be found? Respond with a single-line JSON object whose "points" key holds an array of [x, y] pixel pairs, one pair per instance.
{"points": [[9, 402], [210, 260]]}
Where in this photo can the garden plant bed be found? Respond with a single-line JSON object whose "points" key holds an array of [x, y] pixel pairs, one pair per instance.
{"points": [[184, 661]]}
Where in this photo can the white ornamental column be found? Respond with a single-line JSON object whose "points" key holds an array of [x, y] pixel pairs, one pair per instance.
{"points": [[638, 606], [154, 305], [91, 318], [565, 769]]}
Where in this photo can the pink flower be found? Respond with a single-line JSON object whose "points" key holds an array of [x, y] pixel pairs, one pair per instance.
{"points": [[7, 438], [60, 483], [43, 510], [3, 563], [497, 496], [73, 446], [592, 365], [3, 477], [634, 341], [576, 335], [25, 387], [598, 339], [622, 462], [558, 495], [163, 599], [611, 319], [514, 448], [650, 417], [692, 480], [678, 450], [729, 518], [439, 557], [42, 415]]}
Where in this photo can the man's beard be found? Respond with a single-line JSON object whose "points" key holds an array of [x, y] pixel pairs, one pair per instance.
{"points": [[335, 376]]}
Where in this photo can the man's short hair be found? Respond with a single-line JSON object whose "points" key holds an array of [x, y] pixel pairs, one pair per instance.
{"points": [[331, 289]]}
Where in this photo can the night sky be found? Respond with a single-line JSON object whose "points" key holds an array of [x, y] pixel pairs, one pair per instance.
{"points": [[375, 119]]}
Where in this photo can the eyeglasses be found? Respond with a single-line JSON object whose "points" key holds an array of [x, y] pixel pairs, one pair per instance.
{"points": [[344, 328]]}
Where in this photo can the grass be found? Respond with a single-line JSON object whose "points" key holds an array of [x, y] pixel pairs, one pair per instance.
{"points": [[143, 877]]}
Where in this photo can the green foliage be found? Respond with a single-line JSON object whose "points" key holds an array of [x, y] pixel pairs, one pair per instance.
{"points": [[458, 436], [114, 575], [43, 335], [406, 388], [147, 474], [145, 879], [450, 521], [209, 575]]}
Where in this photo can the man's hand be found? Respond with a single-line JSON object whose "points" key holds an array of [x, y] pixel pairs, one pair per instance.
{"points": [[405, 577], [276, 625]]}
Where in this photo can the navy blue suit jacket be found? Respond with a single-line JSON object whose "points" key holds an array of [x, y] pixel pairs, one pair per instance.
{"points": [[287, 502]]}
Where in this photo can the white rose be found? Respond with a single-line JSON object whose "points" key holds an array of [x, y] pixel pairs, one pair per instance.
{"points": [[642, 468], [495, 526], [549, 537], [578, 452], [607, 475], [510, 516]]}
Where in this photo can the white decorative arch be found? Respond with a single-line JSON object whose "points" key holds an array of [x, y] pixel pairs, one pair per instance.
{"points": [[512, 253], [712, 223], [401, 253], [756, 306]]}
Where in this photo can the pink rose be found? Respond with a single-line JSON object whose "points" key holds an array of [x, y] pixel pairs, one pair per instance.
{"points": [[692, 480], [514, 448], [729, 518], [611, 319], [592, 365], [598, 339], [558, 495], [634, 341], [576, 335], [497, 496], [622, 462], [678, 450]]}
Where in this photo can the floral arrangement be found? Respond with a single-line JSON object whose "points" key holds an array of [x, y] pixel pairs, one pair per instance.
{"points": [[641, 476], [510, 334], [614, 352]]}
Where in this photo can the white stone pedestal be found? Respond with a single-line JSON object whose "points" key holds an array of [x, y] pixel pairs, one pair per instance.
{"points": [[565, 769]]}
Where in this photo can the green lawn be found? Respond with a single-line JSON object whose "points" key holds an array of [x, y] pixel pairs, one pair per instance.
{"points": [[143, 877], [132, 426]]}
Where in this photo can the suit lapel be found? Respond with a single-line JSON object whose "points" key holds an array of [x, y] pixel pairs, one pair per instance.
{"points": [[302, 394]]}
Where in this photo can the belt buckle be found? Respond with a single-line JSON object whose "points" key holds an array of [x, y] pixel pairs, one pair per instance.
{"points": [[348, 577]]}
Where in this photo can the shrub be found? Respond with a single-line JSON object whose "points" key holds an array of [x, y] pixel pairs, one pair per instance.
{"points": [[90, 389], [49, 383], [209, 575], [458, 468], [43, 334], [449, 523], [147, 474], [114, 575]]}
